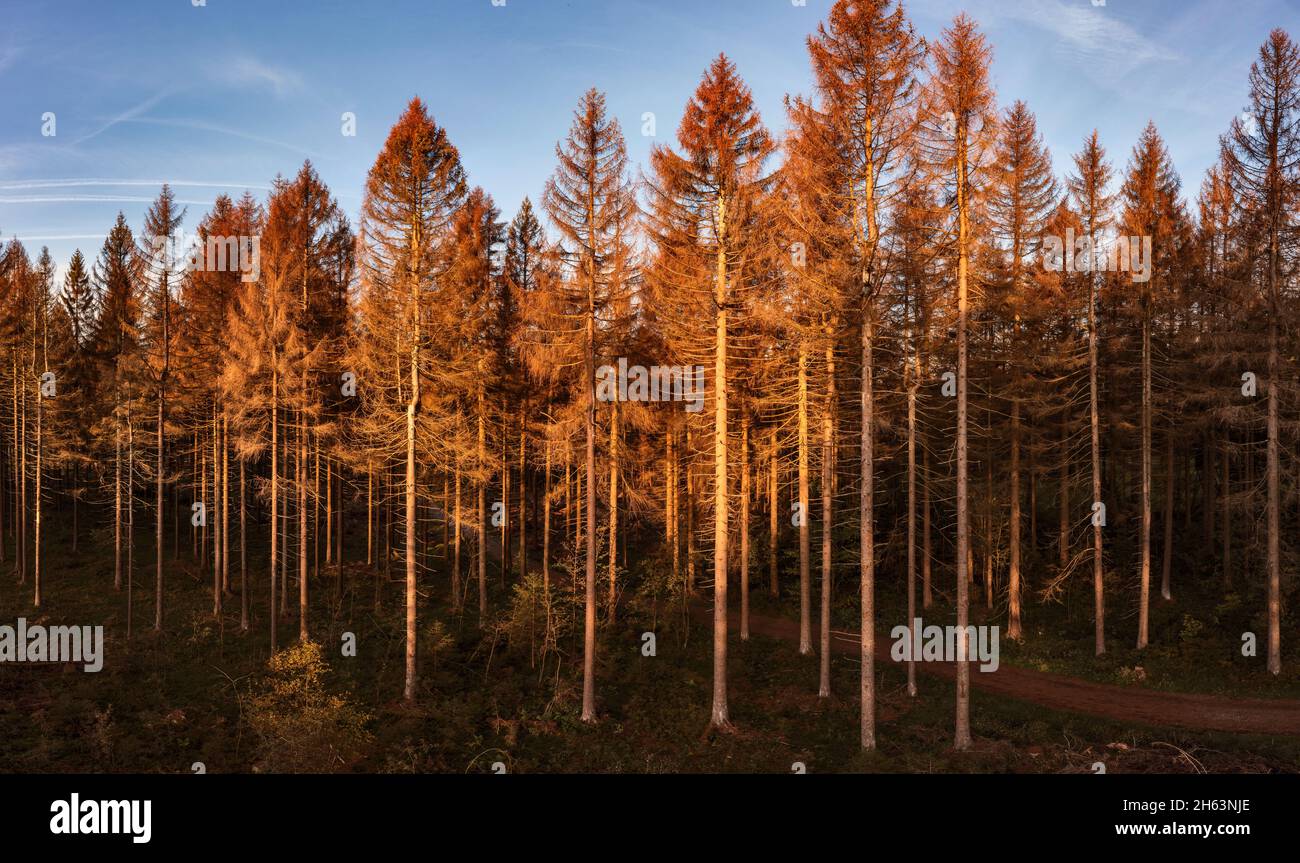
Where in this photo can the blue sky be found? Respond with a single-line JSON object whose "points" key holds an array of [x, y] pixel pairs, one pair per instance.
{"points": [[222, 97]]}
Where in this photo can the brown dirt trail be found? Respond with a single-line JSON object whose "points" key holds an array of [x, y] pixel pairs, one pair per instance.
{"points": [[1122, 704]]}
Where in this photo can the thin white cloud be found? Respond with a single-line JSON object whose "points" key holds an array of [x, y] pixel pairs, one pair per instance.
{"points": [[126, 116], [9, 54], [58, 238], [251, 72], [1095, 39], [1096, 35], [22, 185], [91, 199], [201, 126]]}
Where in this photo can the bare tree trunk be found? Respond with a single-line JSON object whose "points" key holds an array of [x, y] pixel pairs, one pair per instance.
{"points": [[670, 493], [22, 474], [329, 507], [866, 533], [1210, 447], [285, 496], [446, 513], [4, 492], [314, 460], [988, 511], [75, 495], [912, 372], [36, 498], [719, 718], [506, 538], [744, 530], [589, 616], [158, 533], [962, 737], [523, 496], [1168, 551], [1063, 543], [340, 509], [412, 407], [927, 558], [225, 505], [481, 465], [546, 524], [243, 553], [1033, 499], [690, 514], [613, 512], [828, 516], [772, 514], [1144, 589], [199, 532], [457, 519], [302, 468], [216, 523], [579, 520], [805, 589], [130, 519], [1274, 464], [1227, 508], [1013, 576], [1098, 586], [275, 492], [117, 505]]}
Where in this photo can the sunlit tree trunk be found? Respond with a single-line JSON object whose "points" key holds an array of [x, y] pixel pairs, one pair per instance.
{"points": [[720, 718], [805, 589], [1098, 586], [546, 524], [912, 372], [589, 395], [690, 514], [962, 739], [828, 516], [302, 468], [866, 534]]}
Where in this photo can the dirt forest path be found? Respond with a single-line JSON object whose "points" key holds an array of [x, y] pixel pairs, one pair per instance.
{"points": [[1055, 691], [1149, 707]]}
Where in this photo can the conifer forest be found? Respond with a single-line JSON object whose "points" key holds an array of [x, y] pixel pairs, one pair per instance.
{"points": [[846, 397]]}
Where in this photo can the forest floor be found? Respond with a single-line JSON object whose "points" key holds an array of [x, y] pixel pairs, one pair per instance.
{"points": [[497, 690], [1125, 704]]}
